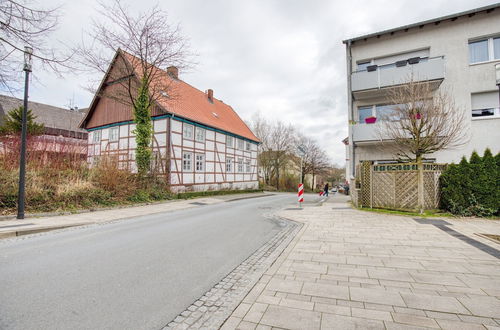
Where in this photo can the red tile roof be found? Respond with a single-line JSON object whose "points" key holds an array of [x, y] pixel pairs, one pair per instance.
{"points": [[186, 101]]}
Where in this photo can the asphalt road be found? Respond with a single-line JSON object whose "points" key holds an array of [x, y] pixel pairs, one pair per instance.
{"points": [[132, 274]]}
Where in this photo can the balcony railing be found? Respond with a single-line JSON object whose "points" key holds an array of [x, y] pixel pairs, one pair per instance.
{"points": [[391, 75]]}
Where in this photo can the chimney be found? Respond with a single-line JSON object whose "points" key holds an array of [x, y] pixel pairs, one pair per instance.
{"points": [[173, 72], [210, 93]]}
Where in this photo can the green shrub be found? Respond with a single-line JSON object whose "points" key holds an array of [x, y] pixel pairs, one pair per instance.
{"points": [[471, 188]]}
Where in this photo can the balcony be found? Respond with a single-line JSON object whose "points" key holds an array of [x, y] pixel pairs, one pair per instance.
{"points": [[365, 133], [367, 84]]}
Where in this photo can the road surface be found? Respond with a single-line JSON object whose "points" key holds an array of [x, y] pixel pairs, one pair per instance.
{"points": [[136, 273]]}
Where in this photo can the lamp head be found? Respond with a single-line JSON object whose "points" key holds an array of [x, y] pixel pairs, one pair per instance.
{"points": [[28, 51]]}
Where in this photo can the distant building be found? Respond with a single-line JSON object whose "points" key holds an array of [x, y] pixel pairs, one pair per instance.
{"points": [[456, 52], [61, 132], [199, 142]]}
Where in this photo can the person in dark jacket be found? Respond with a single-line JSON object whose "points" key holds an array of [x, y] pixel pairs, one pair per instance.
{"points": [[326, 190]]}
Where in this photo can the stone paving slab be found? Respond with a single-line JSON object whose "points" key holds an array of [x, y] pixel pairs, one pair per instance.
{"points": [[350, 269]]}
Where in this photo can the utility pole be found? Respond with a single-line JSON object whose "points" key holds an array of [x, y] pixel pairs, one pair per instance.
{"points": [[28, 51]]}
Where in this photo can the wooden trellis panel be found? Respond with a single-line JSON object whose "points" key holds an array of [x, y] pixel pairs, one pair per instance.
{"points": [[365, 184], [396, 185], [384, 189]]}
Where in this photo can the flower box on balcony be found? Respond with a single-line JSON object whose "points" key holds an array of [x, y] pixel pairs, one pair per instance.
{"points": [[370, 120]]}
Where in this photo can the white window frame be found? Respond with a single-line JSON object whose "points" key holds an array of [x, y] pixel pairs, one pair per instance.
{"points": [[97, 136], [187, 131], [241, 144], [491, 49], [248, 146], [114, 134], [229, 165], [200, 134], [229, 141], [199, 164], [240, 165], [248, 165], [187, 162]]}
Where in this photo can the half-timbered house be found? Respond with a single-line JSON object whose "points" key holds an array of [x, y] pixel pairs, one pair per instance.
{"points": [[199, 142]]}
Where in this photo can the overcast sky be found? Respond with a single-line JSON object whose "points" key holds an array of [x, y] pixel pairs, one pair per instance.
{"points": [[282, 58]]}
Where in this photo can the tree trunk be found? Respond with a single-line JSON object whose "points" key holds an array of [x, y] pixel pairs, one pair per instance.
{"points": [[420, 184]]}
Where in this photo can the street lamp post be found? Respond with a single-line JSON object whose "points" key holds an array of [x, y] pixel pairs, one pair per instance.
{"points": [[28, 51]]}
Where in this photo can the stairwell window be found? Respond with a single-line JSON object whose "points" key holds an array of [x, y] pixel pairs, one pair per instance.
{"points": [[187, 161]]}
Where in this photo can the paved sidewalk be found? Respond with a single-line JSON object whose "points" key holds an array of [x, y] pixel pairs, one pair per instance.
{"points": [[12, 228], [350, 269]]}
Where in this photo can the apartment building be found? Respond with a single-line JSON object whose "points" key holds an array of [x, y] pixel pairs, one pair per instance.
{"points": [[458, 53]]}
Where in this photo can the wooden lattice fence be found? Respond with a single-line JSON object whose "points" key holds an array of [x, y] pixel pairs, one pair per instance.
{"points": [[396, 186]]}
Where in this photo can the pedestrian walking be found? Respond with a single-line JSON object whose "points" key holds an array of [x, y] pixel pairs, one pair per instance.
{"points": [[326, 190]]}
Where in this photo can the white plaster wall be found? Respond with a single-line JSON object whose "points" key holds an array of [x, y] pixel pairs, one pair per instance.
{"points": [[461, 79]]}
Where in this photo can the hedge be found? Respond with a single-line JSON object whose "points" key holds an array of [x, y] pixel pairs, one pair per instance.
{"points": [[472, 187]]}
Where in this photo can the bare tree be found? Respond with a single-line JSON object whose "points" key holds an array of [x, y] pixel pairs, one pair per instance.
{"points": [[262, 129], [23, 23], [314, 160], [145, 45], [282, 144], [422, 121]]}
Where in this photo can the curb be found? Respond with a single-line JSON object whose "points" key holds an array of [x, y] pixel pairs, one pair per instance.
{"points": [[54, 214], [16, 233]]}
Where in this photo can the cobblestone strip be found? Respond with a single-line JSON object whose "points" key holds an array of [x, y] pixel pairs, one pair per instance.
{"points": [[215, 306]]}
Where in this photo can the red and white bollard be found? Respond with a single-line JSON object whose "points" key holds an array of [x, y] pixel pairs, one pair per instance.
{"points": [[301, 193]]}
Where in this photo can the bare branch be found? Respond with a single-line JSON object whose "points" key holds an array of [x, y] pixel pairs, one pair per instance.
{"points": [[153, 43], [422, 121], [23, 25]]}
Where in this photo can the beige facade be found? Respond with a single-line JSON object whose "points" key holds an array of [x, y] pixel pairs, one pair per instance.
{"points": [[442, 48]]}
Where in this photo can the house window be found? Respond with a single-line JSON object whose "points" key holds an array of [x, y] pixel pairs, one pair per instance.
{"points": [[114, 133], [240, 144], [364, 112], [187, 132], [485, 105], [240, 165], [484, 50], [200, 162], [187, 161], [247, 164], [248, 146], [496, 48], [229, 165], [229, 141], [388, 112], [97, 136], [200, 134]]}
